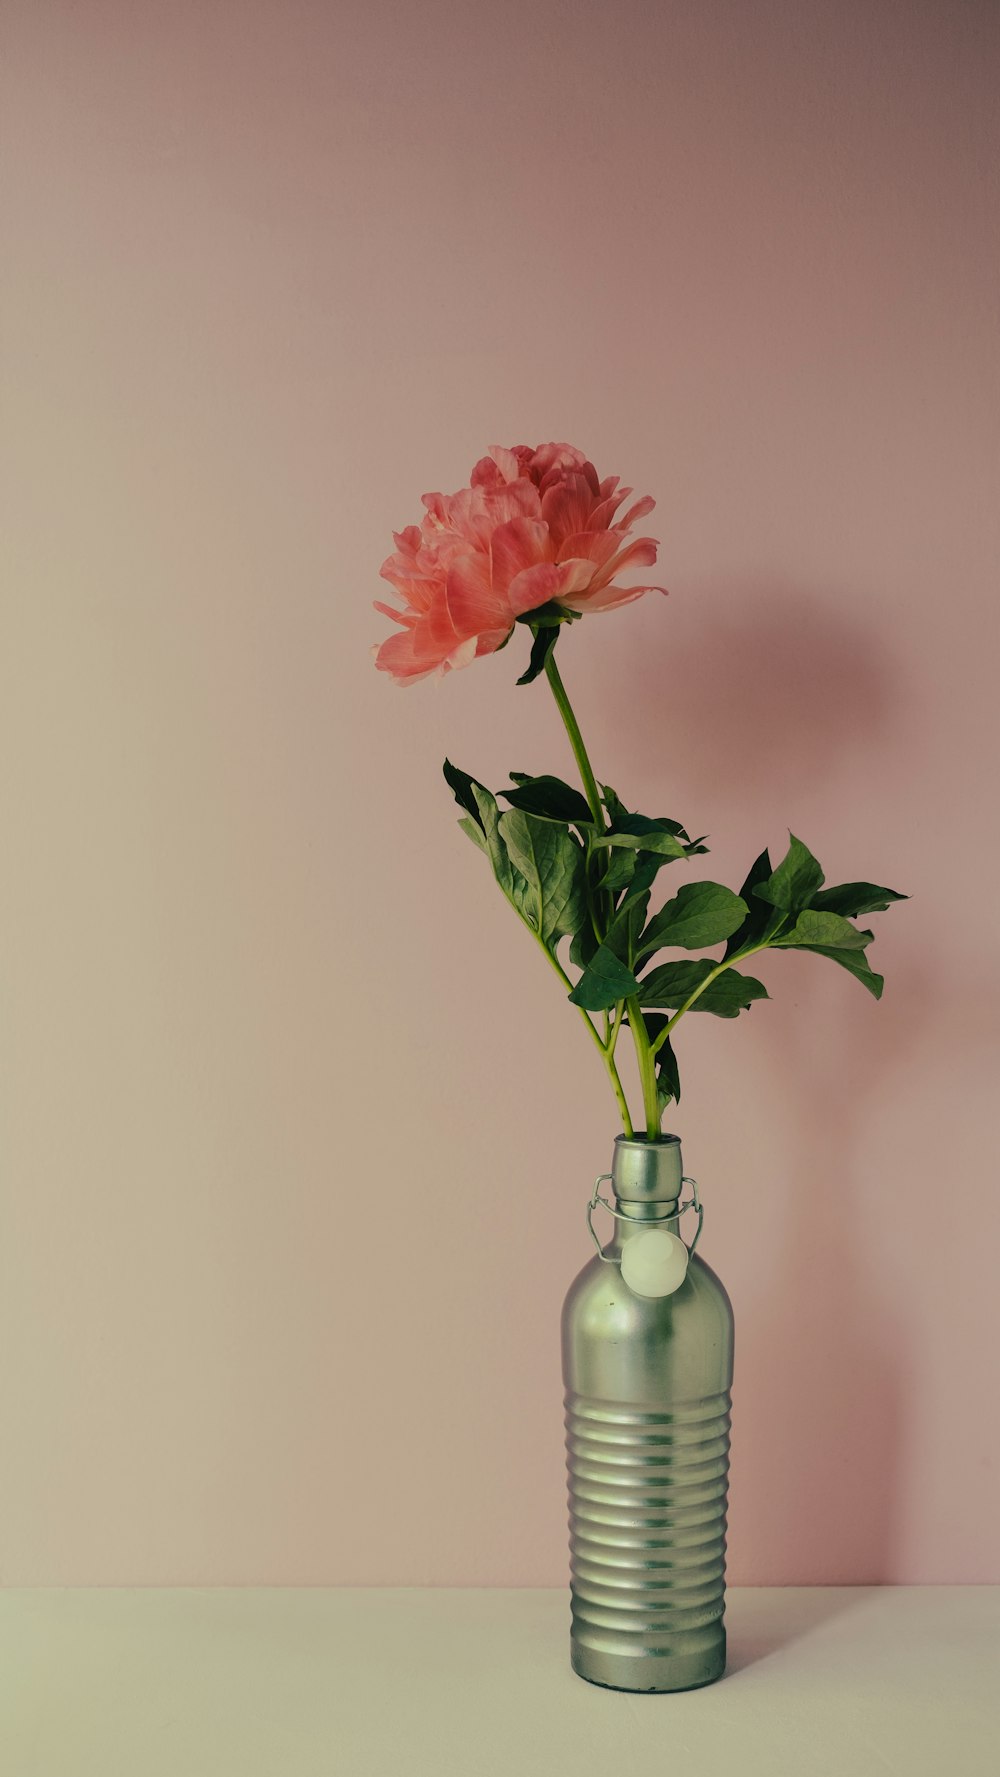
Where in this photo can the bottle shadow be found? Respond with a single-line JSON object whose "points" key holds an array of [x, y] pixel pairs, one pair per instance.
{"points": [[761, 1627], [825, 1385], [821, 1377]]}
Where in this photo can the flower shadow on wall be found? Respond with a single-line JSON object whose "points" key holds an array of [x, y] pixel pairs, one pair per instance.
{"points": [[772, 691], [769, 688]]}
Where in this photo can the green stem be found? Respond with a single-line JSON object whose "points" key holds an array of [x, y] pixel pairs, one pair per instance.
{"points": [[606, 1049], [595, 924], [645, 1055], [613, 1074], [637, 1024], [619, 1093], [572, 726]]}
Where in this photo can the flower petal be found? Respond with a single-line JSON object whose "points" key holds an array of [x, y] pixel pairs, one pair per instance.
{"points": [[463, 655], [399, 656], [408, 540], [485, 473], [566, 507], [475, 603], [534, 587], [491, 640], [593, 546], [506, 461], [407, 618], [606, 598], [520, 543], [551, 463], [416, 588], [516, 499], [437, 511], [467, 514], [605, 509], [641, 509], [640, 554], [575, 575], [600, 549]]}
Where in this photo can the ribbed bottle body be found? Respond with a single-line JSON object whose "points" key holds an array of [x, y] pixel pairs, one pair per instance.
{"points": [[647, 1436]]}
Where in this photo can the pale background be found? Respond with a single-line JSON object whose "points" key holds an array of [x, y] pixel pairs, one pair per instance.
{"points": [[297, 1132]]}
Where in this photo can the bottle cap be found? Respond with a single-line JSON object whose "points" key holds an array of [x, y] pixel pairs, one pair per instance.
{"points": [[654, 1263]]}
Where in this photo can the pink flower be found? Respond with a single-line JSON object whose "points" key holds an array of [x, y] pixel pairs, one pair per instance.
{"points": [[532, 526]]}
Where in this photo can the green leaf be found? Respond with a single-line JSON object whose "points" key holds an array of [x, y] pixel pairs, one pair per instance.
{"points": [[700, 914], [647, 866], [630, 915], [621, 868], [794, 882], [856, 964], [758, 914], [635, 871], [672, 984], [827, 929], [511, 881], [852, 898], [623, 932], [545, 638], [463, 787], [551, 862], [548, 796], [604, 982], [639, 832], [624, 821], [668, 1079], [647, 823], [474, 830], [584, 945], [482, 824]]}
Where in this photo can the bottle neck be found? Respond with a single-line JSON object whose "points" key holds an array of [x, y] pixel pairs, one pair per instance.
{"points": [[638, 1223], [646, 1178]]}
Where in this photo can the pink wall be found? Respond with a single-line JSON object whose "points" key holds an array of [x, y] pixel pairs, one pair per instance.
{"points": [[274, 268]]}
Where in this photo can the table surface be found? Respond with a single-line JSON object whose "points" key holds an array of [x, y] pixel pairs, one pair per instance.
{"points": [[385, 1683]]}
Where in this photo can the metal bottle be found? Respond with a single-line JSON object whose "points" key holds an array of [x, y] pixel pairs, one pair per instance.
{"points": [[647, 1436]]}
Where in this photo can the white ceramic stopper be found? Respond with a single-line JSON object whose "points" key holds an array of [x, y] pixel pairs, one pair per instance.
{"points": [[654, 1263]]}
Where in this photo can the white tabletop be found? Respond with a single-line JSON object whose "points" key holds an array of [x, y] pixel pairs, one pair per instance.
{"points": [[854, 1682]]}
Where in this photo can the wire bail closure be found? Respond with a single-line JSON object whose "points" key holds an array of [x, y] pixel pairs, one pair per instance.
{"points": [[693, 1202]]}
